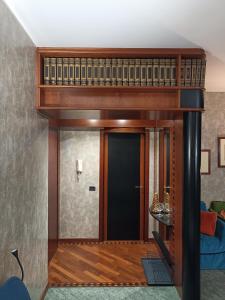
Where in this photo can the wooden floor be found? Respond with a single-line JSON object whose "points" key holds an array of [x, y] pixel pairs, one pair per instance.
{"points": [[99, 264]]}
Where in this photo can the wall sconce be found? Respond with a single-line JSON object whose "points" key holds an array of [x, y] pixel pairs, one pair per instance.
{"points": [[79, 168]]}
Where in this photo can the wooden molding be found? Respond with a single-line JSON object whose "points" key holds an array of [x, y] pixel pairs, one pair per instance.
{"points": [[101, 187], [86, 123], [118, 52], [77, 240], [44, 292]]}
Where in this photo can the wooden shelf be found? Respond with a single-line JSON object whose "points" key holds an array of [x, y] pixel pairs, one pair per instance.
{"points": [[120, 52], [122, 88], [146, 98], [150, 88]]}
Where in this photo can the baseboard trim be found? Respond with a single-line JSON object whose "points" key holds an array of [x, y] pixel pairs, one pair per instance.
{"points": [[98, 284], [78, 241], [44, 292], [97, 241]]}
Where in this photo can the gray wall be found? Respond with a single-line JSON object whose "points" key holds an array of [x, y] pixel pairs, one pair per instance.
{"points": [[23, 160], [213, 125], [79, 208]]}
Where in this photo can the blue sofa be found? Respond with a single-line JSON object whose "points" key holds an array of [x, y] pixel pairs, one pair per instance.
{"points": [[212, 248]]}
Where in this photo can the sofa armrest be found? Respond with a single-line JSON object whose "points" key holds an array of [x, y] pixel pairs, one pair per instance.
{"points": [[220, 229]]}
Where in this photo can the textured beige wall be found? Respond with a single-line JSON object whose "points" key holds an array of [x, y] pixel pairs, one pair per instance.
{"points": [[79, 207], [213, 125], [23, 160]]}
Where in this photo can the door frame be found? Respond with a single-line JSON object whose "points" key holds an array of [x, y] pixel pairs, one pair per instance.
{"points": [[103, 207]]}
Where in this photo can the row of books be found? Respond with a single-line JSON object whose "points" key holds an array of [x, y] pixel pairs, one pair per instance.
{"points": [[121, 72], [193, 72]]}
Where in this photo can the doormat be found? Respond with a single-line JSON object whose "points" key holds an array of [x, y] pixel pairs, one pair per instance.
{"points": [[156, 271]]}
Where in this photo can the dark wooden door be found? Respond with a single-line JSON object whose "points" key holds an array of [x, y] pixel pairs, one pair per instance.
{"points": [[124, 200]]}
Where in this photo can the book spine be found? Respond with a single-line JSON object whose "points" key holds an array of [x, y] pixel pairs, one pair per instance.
{"points": [[156, 72], [131, 72], [59, 77], [114, 71], [95, 72], [182, 72], [187, 80], [203, 67], [77, 71], [83, 71], [101, 70], [53, 70], [89, 71], [173, 79], [65, 71], [198, 72], [71, 71], [143, 72], [46, 70], [161, 72], [108, 71], [193, 71], [125, 72], [167, 72], [119, 72], [149, 72], [137, 72]]}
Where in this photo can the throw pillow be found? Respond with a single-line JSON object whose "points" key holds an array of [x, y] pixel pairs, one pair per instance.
{"points": [[208, 222]]}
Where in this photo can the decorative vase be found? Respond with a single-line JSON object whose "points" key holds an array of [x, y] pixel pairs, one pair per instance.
{"points": [[156, 207], [167, 209]]}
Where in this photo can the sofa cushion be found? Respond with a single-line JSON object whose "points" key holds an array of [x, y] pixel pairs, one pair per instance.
{"points": [[208, 222], [217, 206], [203, 206], [214, 244]]}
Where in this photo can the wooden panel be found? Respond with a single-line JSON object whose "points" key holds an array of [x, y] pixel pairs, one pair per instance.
{"points": [[69, 113], [146, 186], [85, 123], [111, 98], [161, 165], [142, 185], [114, 263], [118, 52], [101, 188], [53, 156], [105, 208], [162, 228]]}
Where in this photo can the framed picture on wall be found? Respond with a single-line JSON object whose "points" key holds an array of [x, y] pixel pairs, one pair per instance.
{"points": [[205, 161], [221, 152]]}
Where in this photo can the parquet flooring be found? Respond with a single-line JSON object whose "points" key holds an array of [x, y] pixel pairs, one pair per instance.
{"points": [[100, 264]]}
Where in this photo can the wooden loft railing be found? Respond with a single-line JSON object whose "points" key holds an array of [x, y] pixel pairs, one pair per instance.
{"points": [[52, 98]]}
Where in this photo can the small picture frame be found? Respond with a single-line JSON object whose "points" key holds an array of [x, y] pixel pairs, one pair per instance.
{"points": [[205, 162], [221, 152]]}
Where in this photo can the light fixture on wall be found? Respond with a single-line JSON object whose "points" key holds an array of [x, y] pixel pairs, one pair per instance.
{"points": [[79, 168]]}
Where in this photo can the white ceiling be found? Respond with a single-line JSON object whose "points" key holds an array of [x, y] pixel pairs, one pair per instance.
{"points": [[128, 23]]}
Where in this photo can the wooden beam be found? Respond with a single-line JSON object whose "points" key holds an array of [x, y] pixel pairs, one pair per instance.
{"points": [[118, 52]]}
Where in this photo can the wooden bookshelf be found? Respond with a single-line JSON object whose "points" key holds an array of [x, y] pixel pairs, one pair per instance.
{"points": [[146, 98]]}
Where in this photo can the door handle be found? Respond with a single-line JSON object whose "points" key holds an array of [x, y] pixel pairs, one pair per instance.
{"points": [[138, 187]]}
